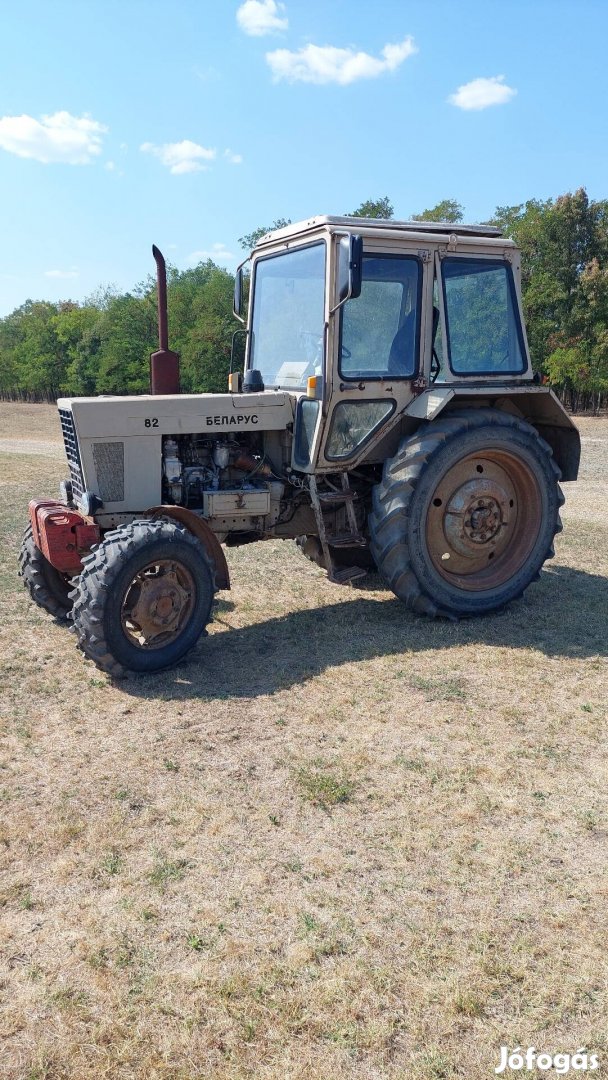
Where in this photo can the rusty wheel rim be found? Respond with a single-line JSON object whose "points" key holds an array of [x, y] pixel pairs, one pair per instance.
{"points": [[483, 520], [158, 604]]}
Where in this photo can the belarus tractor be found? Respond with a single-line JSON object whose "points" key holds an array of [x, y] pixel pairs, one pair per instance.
{"points": [[387, 417]]}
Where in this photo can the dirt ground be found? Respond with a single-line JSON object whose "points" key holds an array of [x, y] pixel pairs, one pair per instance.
{"points": [[340, 842]]}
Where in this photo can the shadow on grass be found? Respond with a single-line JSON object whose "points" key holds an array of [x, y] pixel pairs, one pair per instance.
{"points": [[564, 615]]}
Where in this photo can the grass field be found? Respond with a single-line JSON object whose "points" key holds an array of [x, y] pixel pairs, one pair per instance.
{"points": [[341, 841]]}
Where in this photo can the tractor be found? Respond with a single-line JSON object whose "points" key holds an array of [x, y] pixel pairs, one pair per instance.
{"points": [[387, 418]]}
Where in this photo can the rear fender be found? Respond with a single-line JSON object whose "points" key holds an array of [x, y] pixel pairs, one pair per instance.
{"points": [[536, 404]]}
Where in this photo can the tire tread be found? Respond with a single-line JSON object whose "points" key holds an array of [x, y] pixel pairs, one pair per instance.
{"points": [[392, 497]]}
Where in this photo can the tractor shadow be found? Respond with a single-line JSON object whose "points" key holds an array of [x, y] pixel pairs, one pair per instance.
{"points": [[564, 615]]}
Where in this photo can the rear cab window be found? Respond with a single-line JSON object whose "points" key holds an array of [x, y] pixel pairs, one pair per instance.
{"points": [[483, 326]]}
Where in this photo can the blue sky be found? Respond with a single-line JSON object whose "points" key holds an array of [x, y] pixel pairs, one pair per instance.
{"points": [[191, 123]]}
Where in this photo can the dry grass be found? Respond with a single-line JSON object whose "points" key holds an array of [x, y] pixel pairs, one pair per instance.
{"points": [[340, 842]]}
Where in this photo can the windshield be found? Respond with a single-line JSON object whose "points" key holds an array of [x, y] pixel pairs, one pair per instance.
{"points": [[288, 317]]}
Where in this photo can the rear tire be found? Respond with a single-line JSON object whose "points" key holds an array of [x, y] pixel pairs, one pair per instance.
{"points": [[466, 513], [48, 587], [143, 598]]}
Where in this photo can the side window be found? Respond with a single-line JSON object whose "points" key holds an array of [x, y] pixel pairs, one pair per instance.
{"points": [[352, 424], [482, 320], [380, 329]]}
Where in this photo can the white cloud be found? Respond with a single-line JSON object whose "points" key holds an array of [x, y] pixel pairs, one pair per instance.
{"points": [[57, 139], [61, 273], [219, 253], [481, 93], [234, 159], [328, 64], [206, 74], [259, 17], [181, 157], [110, 166]]}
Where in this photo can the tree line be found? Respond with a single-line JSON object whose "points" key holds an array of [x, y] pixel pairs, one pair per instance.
{"points": [[102, 345]]}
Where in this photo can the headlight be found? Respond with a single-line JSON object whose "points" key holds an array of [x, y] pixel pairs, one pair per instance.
{"points": [[88, 503]]}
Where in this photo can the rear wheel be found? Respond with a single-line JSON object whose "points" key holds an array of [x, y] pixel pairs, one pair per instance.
{"points": [[143, 598], [466, 513], [48, 587]]}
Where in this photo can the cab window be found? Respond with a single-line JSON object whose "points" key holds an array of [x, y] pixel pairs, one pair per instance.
{"points": [[482, 319], [380, 328]]}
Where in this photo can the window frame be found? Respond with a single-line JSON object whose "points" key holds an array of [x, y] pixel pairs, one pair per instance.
{"points": [[388, 376], [320, 242], [483, 372], [298, 461]]}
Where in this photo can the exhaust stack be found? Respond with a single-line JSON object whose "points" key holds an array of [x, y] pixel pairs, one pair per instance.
{"points": [[164, 364]]}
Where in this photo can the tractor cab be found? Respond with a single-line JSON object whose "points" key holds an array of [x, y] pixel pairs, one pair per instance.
{"points": [[361, 318]]}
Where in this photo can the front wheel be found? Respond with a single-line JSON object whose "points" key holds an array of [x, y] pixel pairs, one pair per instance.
{"points": [[143, 598], [466, 513], [47, 586]]}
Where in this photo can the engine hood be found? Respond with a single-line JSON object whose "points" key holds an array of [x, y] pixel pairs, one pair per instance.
{"points": [[158, 414]]}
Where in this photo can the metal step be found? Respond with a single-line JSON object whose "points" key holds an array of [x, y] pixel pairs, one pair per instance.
{"points": [[348, 573], [331, 497], [351, 540]]}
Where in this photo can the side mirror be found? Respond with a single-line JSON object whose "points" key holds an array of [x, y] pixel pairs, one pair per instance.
{"points": [[355, 266], [238, 295], [350, 268]]}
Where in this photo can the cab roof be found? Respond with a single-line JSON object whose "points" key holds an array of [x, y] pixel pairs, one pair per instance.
{"points": [[367, 225]]}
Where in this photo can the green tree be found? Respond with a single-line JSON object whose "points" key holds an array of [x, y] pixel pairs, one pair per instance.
{"points": [[77, 329], [446, 210], [11, 335], [40, 359], [374, 208], [249, 240], [128, 334], [206, 345], [564, 246]]}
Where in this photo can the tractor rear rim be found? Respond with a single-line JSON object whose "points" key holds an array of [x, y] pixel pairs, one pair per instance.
{"points": [[158, 604], [483, 520]]}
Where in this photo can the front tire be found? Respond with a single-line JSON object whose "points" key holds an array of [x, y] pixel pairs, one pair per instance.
{"points": [[466, 513], [143, 598], [47, 586]]}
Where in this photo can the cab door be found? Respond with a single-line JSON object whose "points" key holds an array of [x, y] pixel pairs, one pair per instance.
{"points": [[378, 348]]}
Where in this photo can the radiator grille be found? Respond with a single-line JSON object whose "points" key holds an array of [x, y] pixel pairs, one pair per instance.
{"points": [[109, 458], [71, 450]]}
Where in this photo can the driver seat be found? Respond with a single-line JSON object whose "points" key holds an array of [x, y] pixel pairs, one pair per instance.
{"points": [[401, 359]]}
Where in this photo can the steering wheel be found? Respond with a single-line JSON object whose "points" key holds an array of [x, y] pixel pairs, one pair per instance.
{"points": [[345, 353], [312, 343]]}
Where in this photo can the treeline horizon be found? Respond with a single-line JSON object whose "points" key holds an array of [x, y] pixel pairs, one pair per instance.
{"points": [[102, 345]]}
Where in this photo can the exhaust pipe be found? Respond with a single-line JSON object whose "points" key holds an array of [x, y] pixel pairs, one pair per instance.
{"points": [[164, 364]]}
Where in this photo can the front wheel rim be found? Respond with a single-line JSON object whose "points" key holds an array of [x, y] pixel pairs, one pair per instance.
{"points": [[158, 604], [483, 520]]}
